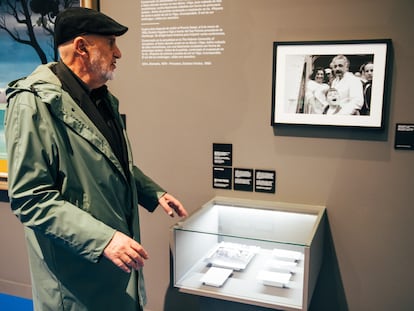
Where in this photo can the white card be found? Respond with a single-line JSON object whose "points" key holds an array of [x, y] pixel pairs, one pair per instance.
{"points": [[277, 279], [216, 276]]}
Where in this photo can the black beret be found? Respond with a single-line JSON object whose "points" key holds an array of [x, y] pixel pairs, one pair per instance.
{"points": [[73, 22]]}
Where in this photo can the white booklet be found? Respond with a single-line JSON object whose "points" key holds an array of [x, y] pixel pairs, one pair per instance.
{"points": [[216, 276], [231, 255], [282, 266], [278, 279], [286, 254]]}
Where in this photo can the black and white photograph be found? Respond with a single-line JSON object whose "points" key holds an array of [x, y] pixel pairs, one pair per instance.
{"points": [[338, 83]]}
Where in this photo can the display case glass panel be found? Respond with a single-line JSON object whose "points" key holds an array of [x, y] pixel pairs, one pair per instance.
{"points": [[253, 252]]}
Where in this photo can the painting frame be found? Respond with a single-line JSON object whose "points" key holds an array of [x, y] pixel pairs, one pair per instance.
{"points": [[3, 156], [294, 62], [90, 4]]}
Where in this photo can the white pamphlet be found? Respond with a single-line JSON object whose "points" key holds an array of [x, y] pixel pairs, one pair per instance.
{"points": [[216, 276], [278, 279], [231, 255], [286, 254], [282, 265]]}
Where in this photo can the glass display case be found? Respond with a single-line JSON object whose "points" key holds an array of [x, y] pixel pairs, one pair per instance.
{"points": [[261, 253]]}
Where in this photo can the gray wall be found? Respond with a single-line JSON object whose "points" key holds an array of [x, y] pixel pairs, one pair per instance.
{"points": [[175, 114]]}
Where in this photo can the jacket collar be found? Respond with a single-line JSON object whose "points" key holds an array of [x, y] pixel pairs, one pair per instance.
{"points": [[48, 88]]}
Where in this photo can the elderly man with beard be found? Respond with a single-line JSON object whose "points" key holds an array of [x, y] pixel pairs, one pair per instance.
{"points": [[351, 97], [72, 180]]}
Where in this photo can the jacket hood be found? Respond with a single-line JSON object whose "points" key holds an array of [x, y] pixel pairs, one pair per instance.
{"points": [[43, 82]]}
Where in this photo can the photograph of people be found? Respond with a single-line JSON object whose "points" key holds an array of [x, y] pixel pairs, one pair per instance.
{"points": [[303, 72]]}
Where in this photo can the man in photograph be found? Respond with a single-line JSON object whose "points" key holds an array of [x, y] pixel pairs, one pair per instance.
{"points": [[367, 70], [351, 96]]}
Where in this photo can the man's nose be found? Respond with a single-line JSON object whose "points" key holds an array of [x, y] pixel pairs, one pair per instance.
{"points": [[117, 52]]}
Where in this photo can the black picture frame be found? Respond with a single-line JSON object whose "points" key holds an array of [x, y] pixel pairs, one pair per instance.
{"points": [[297, 101]]}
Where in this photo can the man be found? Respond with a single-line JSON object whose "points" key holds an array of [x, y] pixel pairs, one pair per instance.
{"points": [[329, 76], [349, 87], [367, 70], [72, 181]]}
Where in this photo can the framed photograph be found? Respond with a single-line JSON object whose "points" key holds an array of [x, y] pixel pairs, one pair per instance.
{"points": [[330, 83]]}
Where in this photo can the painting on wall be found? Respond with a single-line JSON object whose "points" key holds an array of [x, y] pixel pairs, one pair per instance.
{"points": [[334, 83], [31, 43]]}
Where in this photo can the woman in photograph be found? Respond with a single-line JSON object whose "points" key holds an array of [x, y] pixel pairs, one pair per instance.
{"points": [[315, 101]]}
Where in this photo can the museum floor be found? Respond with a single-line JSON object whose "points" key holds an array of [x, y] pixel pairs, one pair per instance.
{"points": [[13, 303]]}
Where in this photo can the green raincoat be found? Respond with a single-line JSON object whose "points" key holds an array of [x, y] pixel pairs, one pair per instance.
{"points": [[70, 192]]}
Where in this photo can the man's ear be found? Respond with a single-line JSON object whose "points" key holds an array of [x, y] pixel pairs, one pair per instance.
{"points": [[80, 45]]}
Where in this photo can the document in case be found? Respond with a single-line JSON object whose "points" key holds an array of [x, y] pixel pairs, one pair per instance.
{"points": [[231, 255], [277, 279], [282, 266], [286, 254], [216, 276]]}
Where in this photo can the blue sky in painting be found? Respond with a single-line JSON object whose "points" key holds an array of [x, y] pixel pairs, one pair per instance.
{"points": [[3, 153], [17, 60]]}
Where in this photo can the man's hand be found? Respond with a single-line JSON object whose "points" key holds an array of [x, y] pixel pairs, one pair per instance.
{"points": [[124, 252], [171, 205]]}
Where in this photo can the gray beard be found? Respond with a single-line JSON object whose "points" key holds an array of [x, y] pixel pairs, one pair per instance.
{"points": [[96, 68]]}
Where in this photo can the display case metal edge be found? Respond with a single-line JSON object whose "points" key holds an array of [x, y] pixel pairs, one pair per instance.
{"points": [[313, 260], [263, 204]]}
